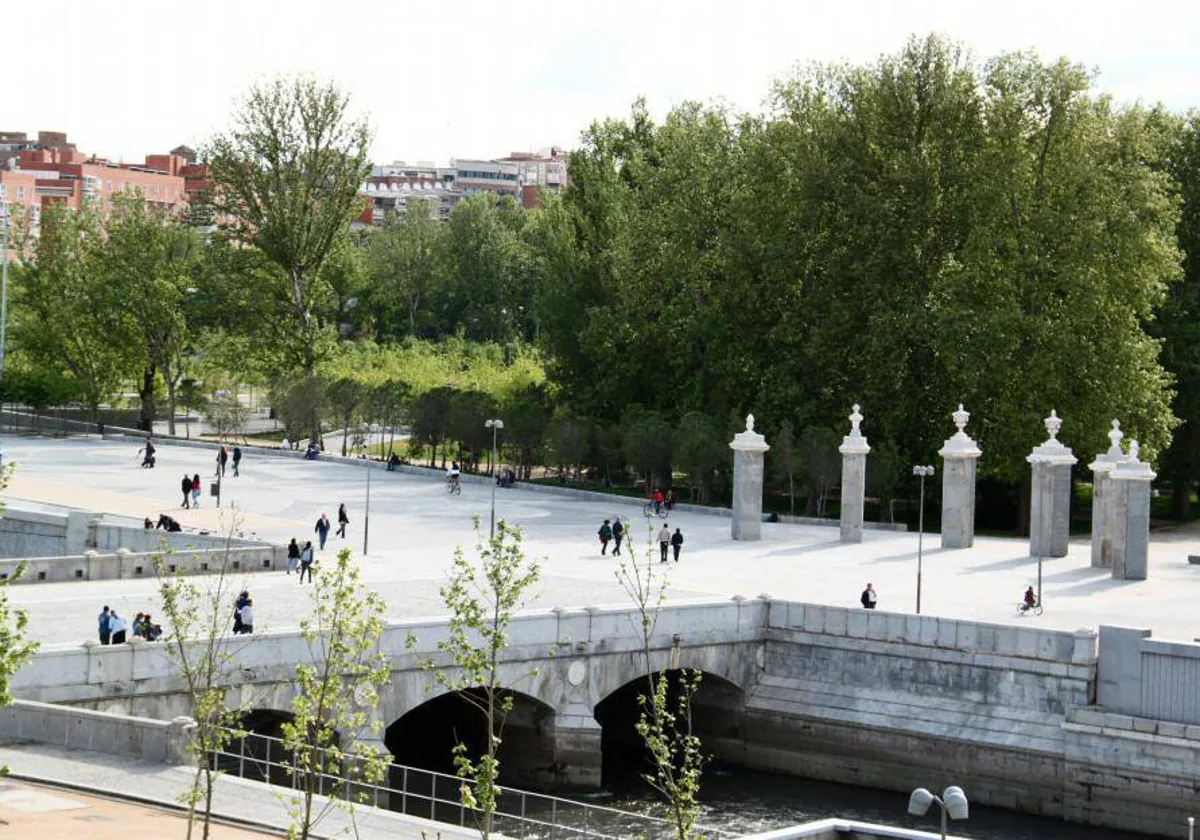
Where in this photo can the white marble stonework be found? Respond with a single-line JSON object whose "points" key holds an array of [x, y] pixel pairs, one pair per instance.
{"points": [[1050, 499], [1130, 510], [959, 456], [1102, 518], [854, 451], [748, 448]]}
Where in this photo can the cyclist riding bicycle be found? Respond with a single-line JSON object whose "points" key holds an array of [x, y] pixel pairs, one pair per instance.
{"points": [[1030, 600], [658, 498], [454, 473]]}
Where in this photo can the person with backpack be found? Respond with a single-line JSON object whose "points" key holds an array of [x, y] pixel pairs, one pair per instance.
{"points": [[664, 541], [677, 543], [242, 599], [306, 561], [237, 460], [605, 533], [618, 532]]}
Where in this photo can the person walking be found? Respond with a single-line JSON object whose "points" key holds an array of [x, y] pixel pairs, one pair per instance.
{"points": [[237, 460], [242, 598], [186, 487], [322, 530], [196, 490], [605, 533], [343, 521], [119, 626], [105, 626], [664, 541], [222, 460], [618, 532], [868, 598], [306, 561], [677, 543], [293, 556]]}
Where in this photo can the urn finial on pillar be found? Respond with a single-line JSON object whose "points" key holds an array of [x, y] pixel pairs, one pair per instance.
{"points": [[1050, 499], [959, 454], [748, 448], [1103, 497], [854, 451]]}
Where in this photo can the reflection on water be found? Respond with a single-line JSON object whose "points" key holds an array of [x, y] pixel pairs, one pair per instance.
{"points": [[749, 802]]}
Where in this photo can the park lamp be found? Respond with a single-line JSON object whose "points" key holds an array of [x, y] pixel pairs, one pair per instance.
{"points": [[495, 425], [953, 803]]}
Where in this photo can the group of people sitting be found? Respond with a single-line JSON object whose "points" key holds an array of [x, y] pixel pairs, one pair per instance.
{"points": [[507, 478], [243, 614], [165, 523], [145, 628]]}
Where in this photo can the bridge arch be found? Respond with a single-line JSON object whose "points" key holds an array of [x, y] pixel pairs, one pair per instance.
{"points": [[718, 710]]}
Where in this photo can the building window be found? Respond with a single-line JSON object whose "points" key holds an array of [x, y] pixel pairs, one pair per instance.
{"points": [[20, 191]]}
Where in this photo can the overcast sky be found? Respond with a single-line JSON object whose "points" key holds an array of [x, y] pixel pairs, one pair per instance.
{"points": [[481, 79]]}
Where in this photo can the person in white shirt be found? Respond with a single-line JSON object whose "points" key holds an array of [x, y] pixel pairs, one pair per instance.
{"points": [[119, 625], [664, 542], [247, 614]]}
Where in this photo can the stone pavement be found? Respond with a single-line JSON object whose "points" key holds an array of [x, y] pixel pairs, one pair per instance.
{"points": [[52, 813], [239, 800], [415, 528]]}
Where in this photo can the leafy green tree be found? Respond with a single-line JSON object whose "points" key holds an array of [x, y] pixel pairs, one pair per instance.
{"points": [[389, 402], [431, 421], [483, 596], [784, 456], [822, 465], [646, 439], [346, 397], [526, 417], [67, 318], [338, 689], [887, 472], [148, 257], [469, 412], [665, 717], [699, 450], [406, 257], [15, 647], [197, 642], [286, 178], [569, 439]]}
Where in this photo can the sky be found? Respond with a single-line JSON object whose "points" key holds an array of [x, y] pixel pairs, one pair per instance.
{"points": [[460, 78]]}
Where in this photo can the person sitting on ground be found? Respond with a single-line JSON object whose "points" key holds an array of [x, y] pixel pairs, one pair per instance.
{"points": [[1030, 600], [148, 524], [167, 523], [138, 629], [151, 632]]}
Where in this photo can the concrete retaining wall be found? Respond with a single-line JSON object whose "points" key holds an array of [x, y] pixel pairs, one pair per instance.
{"points": [[124, 564], [80, 729], [1150, 678]]}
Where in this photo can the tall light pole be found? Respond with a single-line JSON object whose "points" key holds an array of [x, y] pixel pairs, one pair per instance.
{"points": [[495, 425], [953, 803], [922, 472], [4, 294], [367, 509]]}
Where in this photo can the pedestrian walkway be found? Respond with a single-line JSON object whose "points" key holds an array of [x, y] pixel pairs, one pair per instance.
{"points": [[242, 801]]}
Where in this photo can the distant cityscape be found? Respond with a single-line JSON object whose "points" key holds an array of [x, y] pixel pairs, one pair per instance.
{"points": [[47, 168]]}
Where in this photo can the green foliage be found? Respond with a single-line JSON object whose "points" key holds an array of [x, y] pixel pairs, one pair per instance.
{"points": [[197, 642], [647, 445], [784, 458], [665, 718], [15, 648], [700, 451], [821, 465], [338, 690], [482, 597], [286, 178]]}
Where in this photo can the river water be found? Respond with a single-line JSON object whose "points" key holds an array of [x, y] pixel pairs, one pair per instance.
{"points": [[745, 801]]}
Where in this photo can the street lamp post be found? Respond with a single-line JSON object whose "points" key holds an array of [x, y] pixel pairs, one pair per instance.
{"points": [[953, 803], [367, 508], [922, 472], [495, 425]]}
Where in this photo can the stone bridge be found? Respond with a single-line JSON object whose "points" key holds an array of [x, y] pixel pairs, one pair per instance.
{"points": [[561, 667]]}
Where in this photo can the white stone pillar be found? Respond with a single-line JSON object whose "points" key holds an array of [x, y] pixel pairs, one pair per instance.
{"points": [[959, 454], [748, 448], [1102, 523], [854, 451], [1130, 509], [1050, 499]]}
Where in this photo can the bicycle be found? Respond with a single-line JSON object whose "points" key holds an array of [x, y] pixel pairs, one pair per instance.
{"points": [[453, 487], [652, 509], [1025, 609]]}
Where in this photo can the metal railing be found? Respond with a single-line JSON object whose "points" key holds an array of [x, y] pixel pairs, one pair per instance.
{"points": [[432, 795]]}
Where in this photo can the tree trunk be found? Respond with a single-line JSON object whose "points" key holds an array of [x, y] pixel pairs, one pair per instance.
{"points": [[1181, 499], [1024, 496], [149, 409], [791, 495], [170, 400]]}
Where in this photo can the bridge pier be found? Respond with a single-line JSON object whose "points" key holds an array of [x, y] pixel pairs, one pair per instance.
{"points": [[575, 744]]}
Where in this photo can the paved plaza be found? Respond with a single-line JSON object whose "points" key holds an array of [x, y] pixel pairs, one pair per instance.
{"points": [[415, 527]]}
